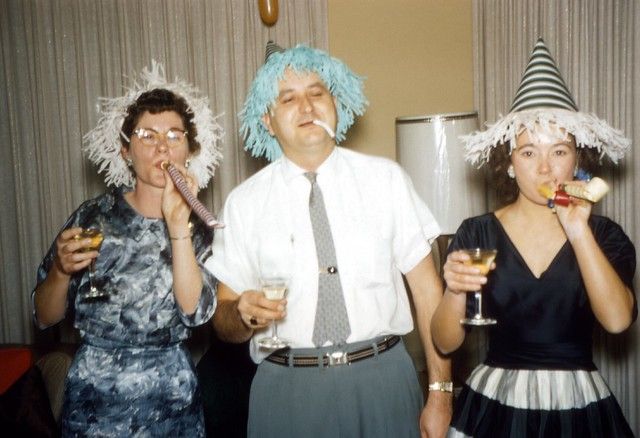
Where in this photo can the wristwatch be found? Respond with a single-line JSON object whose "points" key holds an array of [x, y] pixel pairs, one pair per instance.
{"points": [[441, 386]]}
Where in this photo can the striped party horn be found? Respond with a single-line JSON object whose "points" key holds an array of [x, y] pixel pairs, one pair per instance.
{"points": [[197, 206]]}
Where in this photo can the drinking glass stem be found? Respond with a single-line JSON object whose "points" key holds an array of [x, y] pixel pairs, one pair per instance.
{"points": [[275, 328], [92, 267], [478, 296]]}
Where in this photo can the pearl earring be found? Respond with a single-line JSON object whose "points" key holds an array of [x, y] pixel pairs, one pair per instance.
{"points": [[511, 172], [129, 162]]}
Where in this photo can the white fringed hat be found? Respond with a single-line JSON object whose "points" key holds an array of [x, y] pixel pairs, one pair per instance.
{"points": [[102, 144], [543, 100]]}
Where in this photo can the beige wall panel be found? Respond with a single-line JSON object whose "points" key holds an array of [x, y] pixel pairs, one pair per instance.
{"points": [[416, 56]]}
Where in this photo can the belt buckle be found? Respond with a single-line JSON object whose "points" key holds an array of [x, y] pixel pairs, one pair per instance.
{"points": [[337, 358]]}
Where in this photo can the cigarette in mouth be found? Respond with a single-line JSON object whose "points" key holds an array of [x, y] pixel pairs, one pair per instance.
{"points": [[197, 206], [326, 127]]}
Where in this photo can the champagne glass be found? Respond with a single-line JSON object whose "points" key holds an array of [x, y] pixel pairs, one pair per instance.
{"points": [[96, 236], [274, 286], [275, 265], [481, 259]]}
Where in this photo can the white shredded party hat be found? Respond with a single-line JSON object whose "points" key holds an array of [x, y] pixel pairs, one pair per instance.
{"points": [[102, 144], [543, 99]]}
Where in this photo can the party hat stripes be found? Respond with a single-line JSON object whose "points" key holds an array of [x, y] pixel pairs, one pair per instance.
{"points": [[544, 100], [542, 84], [271, 49]]}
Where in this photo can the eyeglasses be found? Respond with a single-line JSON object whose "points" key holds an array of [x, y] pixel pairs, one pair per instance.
{"points": [[150, 137]]}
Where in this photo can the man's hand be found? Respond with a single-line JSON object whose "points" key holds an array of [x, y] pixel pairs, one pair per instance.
{"points": [[436, 415], [256, 311]]}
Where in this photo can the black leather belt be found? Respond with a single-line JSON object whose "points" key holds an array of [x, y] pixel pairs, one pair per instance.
{"points": [[334, 357]]}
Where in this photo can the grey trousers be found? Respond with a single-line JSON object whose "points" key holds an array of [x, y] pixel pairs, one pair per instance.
{"points": [[375, 397]]}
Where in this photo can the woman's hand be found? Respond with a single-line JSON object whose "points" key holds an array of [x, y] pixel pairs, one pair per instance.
{"points": [[175, 209], [460, 276], [574, 217], [50, 299], [69, 258]]}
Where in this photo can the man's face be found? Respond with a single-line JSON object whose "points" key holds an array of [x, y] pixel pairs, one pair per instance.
{"points": [[302, 98]]}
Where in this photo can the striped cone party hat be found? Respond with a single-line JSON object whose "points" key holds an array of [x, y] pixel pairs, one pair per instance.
{"points": [[271, 49], [544, 100], [542, 84]]}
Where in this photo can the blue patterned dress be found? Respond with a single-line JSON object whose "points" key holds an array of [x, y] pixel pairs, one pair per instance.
{"points": [[132, 376]]}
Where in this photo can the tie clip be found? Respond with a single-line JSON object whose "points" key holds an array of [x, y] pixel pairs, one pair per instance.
{"points": [[329, 270]]}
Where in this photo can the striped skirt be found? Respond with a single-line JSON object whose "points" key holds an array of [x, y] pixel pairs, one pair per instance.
{"points": [[499, 402]]}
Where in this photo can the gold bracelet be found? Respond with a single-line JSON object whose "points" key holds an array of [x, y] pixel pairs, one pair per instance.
{"points": [[181, 238]]}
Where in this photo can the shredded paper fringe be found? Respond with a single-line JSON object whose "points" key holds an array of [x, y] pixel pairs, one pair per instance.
{"points": [[102, 144], [589, 131], [345, 85]]}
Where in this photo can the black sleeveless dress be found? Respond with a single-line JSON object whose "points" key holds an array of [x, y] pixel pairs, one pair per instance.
{"points": [[539, 378]]}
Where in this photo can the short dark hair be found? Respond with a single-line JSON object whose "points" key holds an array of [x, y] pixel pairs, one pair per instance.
{"points": [[506, 188], [158, 101]]}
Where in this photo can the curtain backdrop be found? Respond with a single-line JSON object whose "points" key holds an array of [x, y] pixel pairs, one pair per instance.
{"points": [[59, 56], [596, 45]]}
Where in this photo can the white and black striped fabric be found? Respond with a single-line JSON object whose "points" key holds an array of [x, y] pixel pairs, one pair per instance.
{"points": [[499, 402], [542, 85]]}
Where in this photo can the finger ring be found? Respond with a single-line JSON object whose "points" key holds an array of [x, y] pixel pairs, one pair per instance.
{"points": [[253, 321]]}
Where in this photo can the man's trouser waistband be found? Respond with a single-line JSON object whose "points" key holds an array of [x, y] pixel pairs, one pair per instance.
{"points": [[338, 357]]}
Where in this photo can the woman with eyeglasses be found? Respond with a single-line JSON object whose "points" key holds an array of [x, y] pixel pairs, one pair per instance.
{"points": [[135, 298]]}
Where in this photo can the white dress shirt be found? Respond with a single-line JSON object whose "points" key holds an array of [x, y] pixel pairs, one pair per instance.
{"points": [[380, 226]]}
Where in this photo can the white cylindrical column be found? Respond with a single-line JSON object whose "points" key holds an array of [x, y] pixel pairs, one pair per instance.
{"points": [[430, 150]]}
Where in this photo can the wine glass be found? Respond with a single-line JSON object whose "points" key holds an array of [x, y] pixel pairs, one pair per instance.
{"points": [[479, 258], [275, 267], [96, 236], [274, 286]]}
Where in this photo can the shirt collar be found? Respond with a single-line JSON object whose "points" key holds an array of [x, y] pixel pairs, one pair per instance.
{"points": [[291, 170]]}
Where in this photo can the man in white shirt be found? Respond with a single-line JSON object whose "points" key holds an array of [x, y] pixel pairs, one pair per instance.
{"points": [[346, 371]]}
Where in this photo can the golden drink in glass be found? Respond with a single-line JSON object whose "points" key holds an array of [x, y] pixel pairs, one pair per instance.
{"points": [[96, 236], [90, 233], [481, 259]]}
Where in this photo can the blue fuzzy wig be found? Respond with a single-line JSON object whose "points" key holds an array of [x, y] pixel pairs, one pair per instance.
{"points": [[342, 83]]}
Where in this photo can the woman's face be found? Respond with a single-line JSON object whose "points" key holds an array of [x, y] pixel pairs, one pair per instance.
{"points": [[156, 138], [544, 158]]}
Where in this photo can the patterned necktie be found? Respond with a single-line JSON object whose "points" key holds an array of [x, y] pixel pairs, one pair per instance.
{"points": [[332, 321]]}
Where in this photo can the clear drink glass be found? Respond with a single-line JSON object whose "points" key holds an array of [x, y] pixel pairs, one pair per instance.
{"points": [[274, 287], [479, 258], [96, 236]]}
